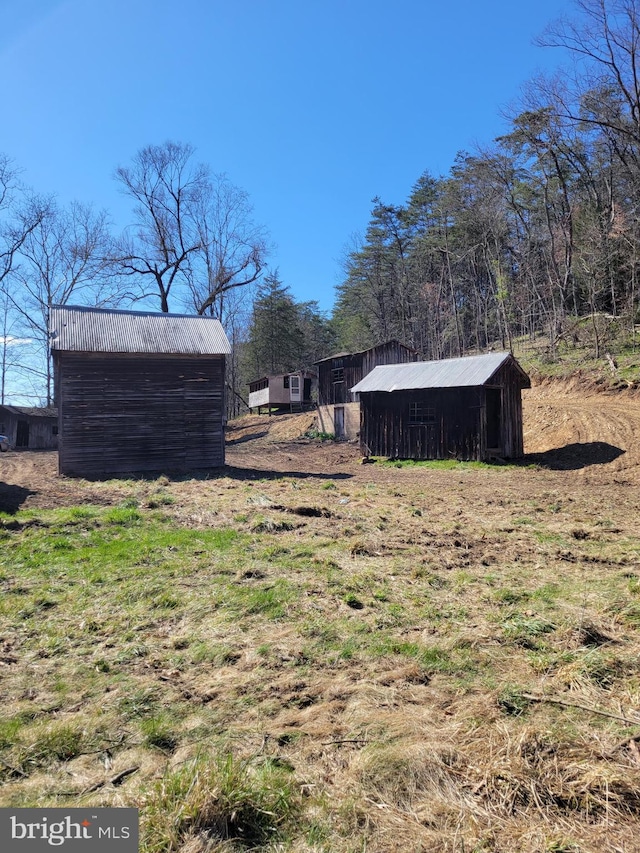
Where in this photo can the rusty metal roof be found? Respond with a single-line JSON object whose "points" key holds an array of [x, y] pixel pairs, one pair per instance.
{"points": [[79, 329], [465, 372]]}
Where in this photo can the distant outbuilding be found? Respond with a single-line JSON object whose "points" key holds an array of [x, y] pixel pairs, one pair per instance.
{"points": [[282, 392], [457, 408], [137, 391], [338, 407], [30, 427]]}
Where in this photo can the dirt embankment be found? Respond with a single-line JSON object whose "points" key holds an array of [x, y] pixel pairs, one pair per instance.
{"points": [[565, 420]]}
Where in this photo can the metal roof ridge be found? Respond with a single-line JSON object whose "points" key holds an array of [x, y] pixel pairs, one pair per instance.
{"points": [[144, 313]]}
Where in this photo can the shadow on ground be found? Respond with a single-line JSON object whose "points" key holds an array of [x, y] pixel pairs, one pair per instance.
{"points": [[234, 472], [237, 473], [244, 438], [572, 457], [12, 497]]}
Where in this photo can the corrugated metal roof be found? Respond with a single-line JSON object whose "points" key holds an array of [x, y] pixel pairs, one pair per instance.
{"points": [[79, 329], [468, 371]]}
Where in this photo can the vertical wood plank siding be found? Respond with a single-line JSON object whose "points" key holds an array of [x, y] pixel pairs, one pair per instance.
{"points": [[42, 435], [509, 380], [459, 430], [356, 366], [455, 433], [139, 413]]}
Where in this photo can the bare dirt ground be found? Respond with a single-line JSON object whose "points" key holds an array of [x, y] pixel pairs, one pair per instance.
{"points": [[582, 439]]}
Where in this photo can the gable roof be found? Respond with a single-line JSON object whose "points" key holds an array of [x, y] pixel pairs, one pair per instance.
{"points": [[80, 329], [362, 352], [466, 372], [31, 411]]}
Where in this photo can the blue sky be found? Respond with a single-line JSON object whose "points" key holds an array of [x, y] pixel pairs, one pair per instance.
{"points": [[311, 107]]}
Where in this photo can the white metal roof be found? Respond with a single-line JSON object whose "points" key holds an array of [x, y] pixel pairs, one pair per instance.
{"points": [[79, 329], [468, 371]]}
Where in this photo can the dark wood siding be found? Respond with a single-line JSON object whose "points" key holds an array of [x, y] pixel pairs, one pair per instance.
{"points": [[462, 426], [510, 381], [355, 367], [386, 429], [29, 431], [139, 413]]}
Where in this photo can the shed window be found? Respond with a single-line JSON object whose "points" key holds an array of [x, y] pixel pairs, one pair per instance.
{"points": [[285, 381], [337, 374], [419, 413]]}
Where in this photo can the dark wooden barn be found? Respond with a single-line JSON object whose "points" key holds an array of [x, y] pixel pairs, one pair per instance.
{"points": [[459, 408], [338, 407], [30, 427], [137, 391]]}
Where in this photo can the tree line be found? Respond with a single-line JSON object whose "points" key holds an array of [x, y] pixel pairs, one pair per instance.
{"points": [[529, 236]]}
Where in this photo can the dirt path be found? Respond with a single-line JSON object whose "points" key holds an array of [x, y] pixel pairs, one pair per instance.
{"points": [[590, 437]]}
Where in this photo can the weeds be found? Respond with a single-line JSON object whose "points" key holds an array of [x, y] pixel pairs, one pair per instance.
{"points": [[319, 436], [38, 745], [452, 465]]}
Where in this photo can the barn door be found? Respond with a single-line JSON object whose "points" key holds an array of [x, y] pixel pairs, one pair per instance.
{"points": [[22, 434], [494, 418], [338, 421]]}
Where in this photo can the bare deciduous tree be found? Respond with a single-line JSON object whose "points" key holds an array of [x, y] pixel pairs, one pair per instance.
{"points": [[192, 233], [67, 254], [21, 212], [232, 247], [166, 189], [604, 89]]}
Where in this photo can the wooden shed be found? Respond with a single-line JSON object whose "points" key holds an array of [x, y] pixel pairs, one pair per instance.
{"points": [[458, 408], [30, 427], [283, 392], [338, 407], [137, 391]]}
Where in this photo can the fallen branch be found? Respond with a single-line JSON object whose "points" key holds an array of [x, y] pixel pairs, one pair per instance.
{"points": [[344, 740], [115, 780], [551, 701]]}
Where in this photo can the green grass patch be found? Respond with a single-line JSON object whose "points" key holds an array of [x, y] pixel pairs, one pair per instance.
{"points": [[446, 464], [525, 630], [251, 803]]}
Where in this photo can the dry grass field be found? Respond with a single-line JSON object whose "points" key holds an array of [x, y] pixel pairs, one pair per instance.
{"points": [[306, 653]]}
